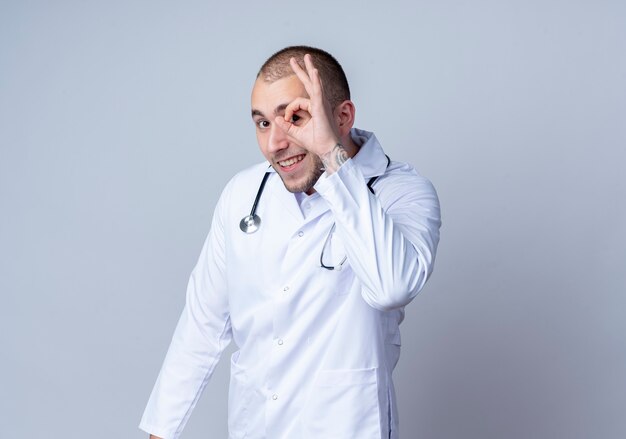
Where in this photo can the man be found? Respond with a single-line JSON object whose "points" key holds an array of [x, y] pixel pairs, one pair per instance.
{"points": [[313, 294]]}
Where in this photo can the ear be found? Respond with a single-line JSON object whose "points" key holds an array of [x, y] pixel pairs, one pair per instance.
{"points": [[344, 117]]}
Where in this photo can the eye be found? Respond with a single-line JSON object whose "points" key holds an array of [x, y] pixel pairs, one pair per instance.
{"points": [[295, 118], [262, 123]]}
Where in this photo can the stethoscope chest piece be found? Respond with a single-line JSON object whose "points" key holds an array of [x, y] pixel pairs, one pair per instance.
{"points": [[250, 223]]}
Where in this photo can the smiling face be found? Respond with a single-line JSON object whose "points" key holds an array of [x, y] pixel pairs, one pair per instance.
{"points": [[298, 168]]}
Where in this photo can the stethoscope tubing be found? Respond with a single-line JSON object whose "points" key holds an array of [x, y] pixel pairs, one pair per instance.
{"points": [[251, 223]]}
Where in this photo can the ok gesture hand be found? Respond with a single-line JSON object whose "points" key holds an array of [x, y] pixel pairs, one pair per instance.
{"points": [[317, 131]]}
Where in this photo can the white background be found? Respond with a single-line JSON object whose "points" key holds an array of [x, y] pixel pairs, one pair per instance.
{"points": [[121, 121]]}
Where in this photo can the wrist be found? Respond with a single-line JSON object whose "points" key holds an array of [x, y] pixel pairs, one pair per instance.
{"points": [[334, 158]]}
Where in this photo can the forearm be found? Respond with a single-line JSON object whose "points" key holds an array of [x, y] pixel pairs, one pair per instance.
{"points": [[391, 249]]}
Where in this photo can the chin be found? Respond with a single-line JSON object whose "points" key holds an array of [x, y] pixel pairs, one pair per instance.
{"points": [[304, 184]]}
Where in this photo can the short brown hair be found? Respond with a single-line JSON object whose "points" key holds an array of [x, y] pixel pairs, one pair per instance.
{"points": [[333, 77]]}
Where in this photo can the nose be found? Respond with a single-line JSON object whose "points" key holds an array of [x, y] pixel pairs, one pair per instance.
{"points": [[278, 139]]}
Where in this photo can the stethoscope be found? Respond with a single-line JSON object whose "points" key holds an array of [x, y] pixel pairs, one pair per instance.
{"points": [[251, 223]]}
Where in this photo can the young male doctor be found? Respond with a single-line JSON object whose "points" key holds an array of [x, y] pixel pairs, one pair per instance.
{"points": [[311, 286]]}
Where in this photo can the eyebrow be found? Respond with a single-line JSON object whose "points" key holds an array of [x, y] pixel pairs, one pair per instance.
{"points": [[277, 110]]}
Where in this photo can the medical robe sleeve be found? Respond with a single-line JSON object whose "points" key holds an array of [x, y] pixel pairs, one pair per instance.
{"points": [[392, 248], [202, 333]]}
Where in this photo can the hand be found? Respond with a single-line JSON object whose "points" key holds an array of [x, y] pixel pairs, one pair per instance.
{"points": [[316, 131]]}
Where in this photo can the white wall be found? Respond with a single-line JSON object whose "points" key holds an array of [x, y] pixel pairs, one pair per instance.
{"points": [[120, 122]]}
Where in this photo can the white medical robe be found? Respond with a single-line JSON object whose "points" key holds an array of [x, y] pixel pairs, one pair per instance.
{"points": [[316, 347]]}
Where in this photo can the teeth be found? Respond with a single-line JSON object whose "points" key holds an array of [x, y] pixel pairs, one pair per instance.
{"points": [[291, 161]]}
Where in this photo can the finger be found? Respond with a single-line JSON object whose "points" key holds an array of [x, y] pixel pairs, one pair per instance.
{"points": [[282, 124], [290, 129], [298, 104], [313, 74], [301, 74]]}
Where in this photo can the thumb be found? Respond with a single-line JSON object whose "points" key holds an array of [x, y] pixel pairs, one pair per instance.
{"points": [[289, 128]]}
